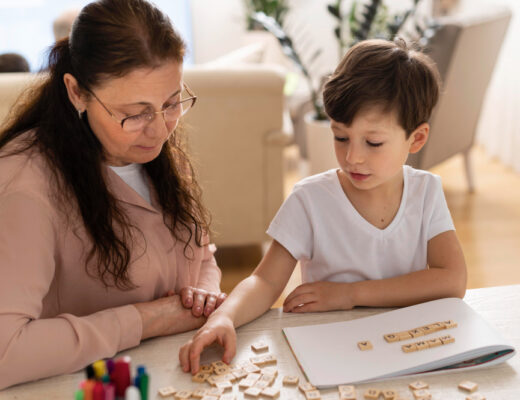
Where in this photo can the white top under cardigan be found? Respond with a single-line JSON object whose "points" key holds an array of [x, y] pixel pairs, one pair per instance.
{"points": [[134, 176], [319, 226]]}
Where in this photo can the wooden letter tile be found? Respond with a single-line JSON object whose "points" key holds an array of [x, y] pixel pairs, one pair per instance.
{"points": [[271, 392], [389, 394], [183, 394], [227, 396], [313, 395], [449, 324], [408, 348], [422, 345], [365, 345], [416, 332], [167, 391], [404, 335], [418, 385], [468, 386], [200, 377], [475, 396], [208, 369], [447, 339], [253, 392], [260, 346], [306, 386], [290, 380], [224, 386], [199, 393], [434, 342], [372, 394], [422, 394], [391, 337]]}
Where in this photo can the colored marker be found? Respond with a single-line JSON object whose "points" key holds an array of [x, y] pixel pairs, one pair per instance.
{"points": [[100, 369], [110, 391], [88, 388], [79, 395], [99, 391], [89, 371], [110, 365], [120, 376], [144, 382]]}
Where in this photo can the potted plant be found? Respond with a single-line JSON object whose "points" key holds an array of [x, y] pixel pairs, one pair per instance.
{"points": [[276, 9]]}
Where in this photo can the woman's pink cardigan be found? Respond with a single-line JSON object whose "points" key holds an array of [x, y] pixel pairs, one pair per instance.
{"points": [[54, 317]]}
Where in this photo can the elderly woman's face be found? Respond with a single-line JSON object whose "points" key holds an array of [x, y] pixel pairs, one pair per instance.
{"points": [[141, 91]]}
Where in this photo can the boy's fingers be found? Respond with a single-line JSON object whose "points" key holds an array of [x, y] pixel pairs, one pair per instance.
{"points": [[183, 357], [199, 343], [297, 301], [229, 344], [308, 307], [300, 290]]}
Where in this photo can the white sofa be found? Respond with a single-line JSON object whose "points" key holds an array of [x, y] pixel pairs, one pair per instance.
{"points": [[236, 137]]}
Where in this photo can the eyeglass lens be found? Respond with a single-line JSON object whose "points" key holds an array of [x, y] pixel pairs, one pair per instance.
{"points": [[170, 114]]}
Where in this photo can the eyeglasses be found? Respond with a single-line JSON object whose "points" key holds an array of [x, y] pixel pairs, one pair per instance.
{"points": [[171, 113]]}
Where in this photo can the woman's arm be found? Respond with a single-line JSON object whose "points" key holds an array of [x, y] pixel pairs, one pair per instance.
{"points": [[445, 277], [248, 300], [32, 347]]}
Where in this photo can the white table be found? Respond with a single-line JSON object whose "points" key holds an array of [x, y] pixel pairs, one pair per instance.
{"points": [[498, 305]]}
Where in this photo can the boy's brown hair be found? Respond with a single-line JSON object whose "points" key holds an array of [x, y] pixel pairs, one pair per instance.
{"points": [[380, 72]]}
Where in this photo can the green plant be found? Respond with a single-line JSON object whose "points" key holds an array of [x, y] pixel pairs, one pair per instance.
{"points": [[272, 8], [364, 20], [286, 43]]}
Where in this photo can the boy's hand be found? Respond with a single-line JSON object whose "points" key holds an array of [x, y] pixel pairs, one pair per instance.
{"points": [[319, 296], [201, 301], [218, 328]]}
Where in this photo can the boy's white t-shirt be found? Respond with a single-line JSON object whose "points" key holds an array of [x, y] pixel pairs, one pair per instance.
{"points": [[319, 226], [134, 176]]}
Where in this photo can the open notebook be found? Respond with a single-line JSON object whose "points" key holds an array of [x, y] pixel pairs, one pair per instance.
{"points": [[329, 354]]}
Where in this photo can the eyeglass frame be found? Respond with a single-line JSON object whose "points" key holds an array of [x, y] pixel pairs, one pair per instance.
{"points": [[192, 97]]}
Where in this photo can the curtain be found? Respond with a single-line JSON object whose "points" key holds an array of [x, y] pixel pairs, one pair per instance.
{"points": [[499, 126]]}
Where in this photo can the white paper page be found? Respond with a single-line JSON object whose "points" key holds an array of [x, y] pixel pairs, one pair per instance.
{"points": [[329, 355]]}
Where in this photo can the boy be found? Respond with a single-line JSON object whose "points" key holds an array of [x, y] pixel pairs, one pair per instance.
{"points": [[374, 232]]}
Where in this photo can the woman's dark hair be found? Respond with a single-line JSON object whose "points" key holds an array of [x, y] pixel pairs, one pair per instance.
{"points": [[380, 72], [109, 38]]}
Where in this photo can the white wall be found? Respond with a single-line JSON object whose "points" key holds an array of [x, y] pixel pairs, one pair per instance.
{"points": [[217, 26]]}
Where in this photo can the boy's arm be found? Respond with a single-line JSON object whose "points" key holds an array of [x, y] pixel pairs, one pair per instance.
{"points": [[248, 300], [445, 277], [258, 292]]}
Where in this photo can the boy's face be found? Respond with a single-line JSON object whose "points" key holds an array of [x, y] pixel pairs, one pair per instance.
{"points": [[372, 150]]}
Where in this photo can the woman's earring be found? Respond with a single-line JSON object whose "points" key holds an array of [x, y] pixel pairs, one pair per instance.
{"points": [[80, 114]]}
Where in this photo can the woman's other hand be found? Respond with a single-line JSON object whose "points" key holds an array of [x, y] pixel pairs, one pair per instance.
{"points": [[166, 316], [201, 302], [218, 328]]}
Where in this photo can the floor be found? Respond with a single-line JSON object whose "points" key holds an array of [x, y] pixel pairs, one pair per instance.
{"points": [[487, 223]]}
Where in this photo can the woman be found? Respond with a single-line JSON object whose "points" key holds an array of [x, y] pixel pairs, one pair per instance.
{"points": [[103, 238]]}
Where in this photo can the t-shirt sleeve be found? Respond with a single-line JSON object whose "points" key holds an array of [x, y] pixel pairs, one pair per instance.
{"points": [[291, 226], [32, 347], [440, 220]]}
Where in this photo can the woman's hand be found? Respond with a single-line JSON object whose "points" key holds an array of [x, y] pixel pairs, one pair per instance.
{"points": [[166, 316], [319, 296], [218, 328], [201, 301]]}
